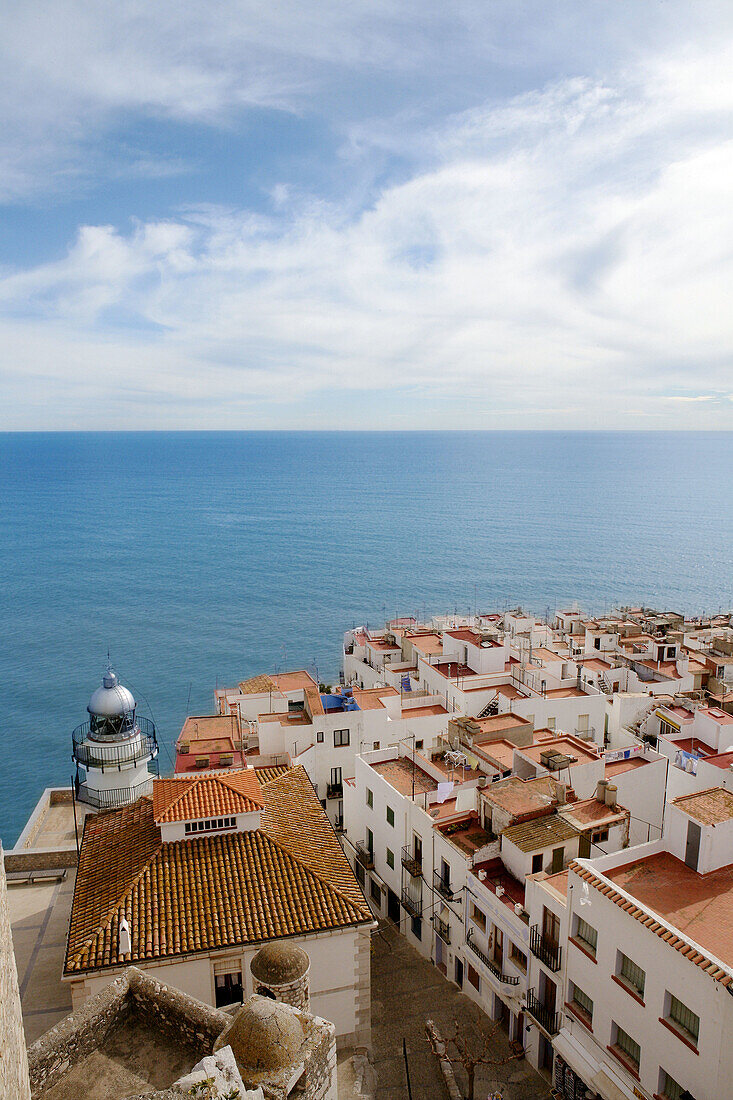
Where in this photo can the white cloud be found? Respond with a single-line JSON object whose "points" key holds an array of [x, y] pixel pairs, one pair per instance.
{"points": [[557, 258]]}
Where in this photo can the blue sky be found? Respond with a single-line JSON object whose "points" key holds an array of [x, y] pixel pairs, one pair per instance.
{"points": [[366, 215]]}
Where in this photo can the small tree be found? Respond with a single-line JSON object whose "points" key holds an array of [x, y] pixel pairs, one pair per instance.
{"points": [[470, 1055]]}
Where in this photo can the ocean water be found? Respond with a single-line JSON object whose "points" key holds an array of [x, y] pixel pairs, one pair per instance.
{"points": [[203, 558]]}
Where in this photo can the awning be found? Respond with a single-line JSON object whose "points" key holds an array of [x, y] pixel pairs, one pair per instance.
{"points": [[603, 1085], [572, 1053]]}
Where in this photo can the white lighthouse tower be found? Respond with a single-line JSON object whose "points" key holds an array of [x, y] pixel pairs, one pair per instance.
{"points": [[113, 749]]}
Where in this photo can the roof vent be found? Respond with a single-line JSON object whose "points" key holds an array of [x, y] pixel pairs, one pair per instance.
{"points": [[125, 939]]}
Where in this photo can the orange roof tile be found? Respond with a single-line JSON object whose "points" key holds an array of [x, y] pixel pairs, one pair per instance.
{"points": [[287, 878], [188, 798]]}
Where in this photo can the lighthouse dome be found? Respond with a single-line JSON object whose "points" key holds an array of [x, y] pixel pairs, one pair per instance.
{"points": [[112, 699]]}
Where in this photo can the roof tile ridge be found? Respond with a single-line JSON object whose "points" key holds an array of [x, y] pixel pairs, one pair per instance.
{"points": [[227, 780], [306, 867], [189, 781], [102, 928]]}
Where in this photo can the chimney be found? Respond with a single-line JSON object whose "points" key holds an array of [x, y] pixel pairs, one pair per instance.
{"points": [[601, 790], [611, 793], [561, 793], [125, 940]]}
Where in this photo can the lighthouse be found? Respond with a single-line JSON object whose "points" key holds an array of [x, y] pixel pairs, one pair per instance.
{"points": [[114, 749]]}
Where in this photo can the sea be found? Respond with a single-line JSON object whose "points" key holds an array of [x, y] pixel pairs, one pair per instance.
{"points": [[197, 559]]}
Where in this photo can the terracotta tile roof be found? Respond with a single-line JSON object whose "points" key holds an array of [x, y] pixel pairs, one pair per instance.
{"points": [[187, 798], [540, 832], [290, 877], [272, 771], [257, 685], [683, 889]]}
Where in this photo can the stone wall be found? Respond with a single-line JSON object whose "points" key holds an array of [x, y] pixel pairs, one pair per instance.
{"points": [[14, 1077], [169, 1010], [40, 859]]}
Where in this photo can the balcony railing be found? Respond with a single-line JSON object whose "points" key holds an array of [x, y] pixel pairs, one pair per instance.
{"points": [[335, 790], [112, 798], [507, 979], [444, 888], [365, 856], [411, 862], [339, 825], [545, 1017], [546, 950], [442, 928], [140, 744], [412, 904]]}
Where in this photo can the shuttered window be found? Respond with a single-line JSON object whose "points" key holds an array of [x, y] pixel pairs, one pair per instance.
{"points": [[587, 935], [628, 1046], [684, 1017], [632, 974]]}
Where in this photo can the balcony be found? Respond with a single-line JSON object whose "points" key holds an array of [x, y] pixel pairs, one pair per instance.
{"points": [[110, 799], [365, 856], [412, 904], [444, 888], [442, 929], [335, 790], [138, 744], [411, 862], [544, 949], [545, 1017], [507, 979], [338, 825]]}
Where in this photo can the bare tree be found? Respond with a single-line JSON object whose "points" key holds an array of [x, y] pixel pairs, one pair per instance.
{"points": [[459, 1051]]}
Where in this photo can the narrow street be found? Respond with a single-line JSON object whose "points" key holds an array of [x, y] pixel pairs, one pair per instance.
{"points": [[407, 990]]}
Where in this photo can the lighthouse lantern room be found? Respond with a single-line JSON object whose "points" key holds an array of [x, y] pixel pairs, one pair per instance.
{"points": [[114, 751]]}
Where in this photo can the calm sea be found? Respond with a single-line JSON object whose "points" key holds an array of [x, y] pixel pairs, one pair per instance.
{"points": [[203, 558]]}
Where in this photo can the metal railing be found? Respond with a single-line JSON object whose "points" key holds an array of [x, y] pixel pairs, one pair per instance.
{"points": [[335, 790], [545, 1017], [444, 888], [507, 979], [546, 950], [139, 744], [442, 929], [115, 797], [365, 856], [411, 862], [412, 904]]}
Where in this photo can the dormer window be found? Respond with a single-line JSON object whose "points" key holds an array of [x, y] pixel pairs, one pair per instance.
{"points": [[210, 825]]}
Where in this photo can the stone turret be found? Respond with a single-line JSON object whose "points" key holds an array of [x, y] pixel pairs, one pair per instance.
{"points": [[280, 971]]}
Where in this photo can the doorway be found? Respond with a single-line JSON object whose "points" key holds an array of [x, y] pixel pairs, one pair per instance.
{"points": [[459, 973], [393, 906]]}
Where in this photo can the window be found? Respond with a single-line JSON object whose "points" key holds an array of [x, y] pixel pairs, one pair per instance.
{"points": [[597, 643], [336, 777], [582, 1002], [419, 744], [587, 935], [518, 957], [390, 816], [370, 842], [599, 836], [340, 737], [376, 892], [370, 798], [478, 917], [627, 1046], [473, 977], [536, 863], [375, 745], [319, 736], [683, 1018], [208, 825], [550, 723], [359, 870], [416, 923], [631, 974], [390, 858], [668, 1087]]}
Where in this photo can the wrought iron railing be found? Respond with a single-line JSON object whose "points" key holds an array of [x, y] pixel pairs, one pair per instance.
{"points": [[411, 862], [507, 979], [334, 790], [365, 856], [444, 888], [112, 798], [412, 904], [546, 950], [442, 928], [545, 1017], [139, 743]]}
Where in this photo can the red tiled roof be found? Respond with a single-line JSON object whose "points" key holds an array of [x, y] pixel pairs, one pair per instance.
{"points": [[188, 798]]}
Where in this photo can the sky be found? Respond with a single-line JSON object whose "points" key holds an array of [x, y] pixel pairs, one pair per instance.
{"points": [[488, 214]]}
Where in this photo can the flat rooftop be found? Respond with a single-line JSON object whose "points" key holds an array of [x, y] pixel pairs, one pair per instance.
{"points": [[700, 906], [567, 746], [493, 873], [519, 797], [431, 710], [467, 834], [405, 777], [565, 693], [617, 767], [492, 725], [558, 883], [590, 812]]}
